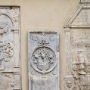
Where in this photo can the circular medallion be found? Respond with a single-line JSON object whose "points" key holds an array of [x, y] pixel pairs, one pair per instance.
{"points": [[43, 59]]}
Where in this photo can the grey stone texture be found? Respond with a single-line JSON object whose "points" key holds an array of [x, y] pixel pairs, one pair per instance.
{"points": [[9, 48], [43, 60], [85, 1], [77, 33]]}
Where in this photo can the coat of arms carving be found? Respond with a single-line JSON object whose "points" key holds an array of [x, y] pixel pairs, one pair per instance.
{"points": [[43, 60]]}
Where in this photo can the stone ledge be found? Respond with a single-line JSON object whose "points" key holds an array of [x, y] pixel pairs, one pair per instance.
{"points": [[84, 1]]}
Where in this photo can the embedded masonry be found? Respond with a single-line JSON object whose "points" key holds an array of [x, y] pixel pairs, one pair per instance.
{"points": [[9, 48], [85, 1], [77, 33], [43, 60]]}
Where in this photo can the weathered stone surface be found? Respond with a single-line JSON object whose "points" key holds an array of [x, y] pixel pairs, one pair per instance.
{"points": [[43, 60], [77, 31], [9, 48], [85, 1]]}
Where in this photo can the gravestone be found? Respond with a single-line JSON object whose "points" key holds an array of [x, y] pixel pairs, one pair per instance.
{"points": [[9, 48], [43, 60], [77, 43]]}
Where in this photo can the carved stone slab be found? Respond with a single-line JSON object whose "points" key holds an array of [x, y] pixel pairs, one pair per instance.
{"points": [[77, 33], [9, 48], [43, 60], [85, 1]]}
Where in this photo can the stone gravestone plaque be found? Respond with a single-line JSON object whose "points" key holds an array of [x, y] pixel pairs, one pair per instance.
{"points": [[77, 43], [9, 48], [43, 60]]}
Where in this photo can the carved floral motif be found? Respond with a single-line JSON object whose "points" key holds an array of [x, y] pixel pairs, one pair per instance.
{"points": [[15, 14], [6, 50], [80, 72], [43, 59]]}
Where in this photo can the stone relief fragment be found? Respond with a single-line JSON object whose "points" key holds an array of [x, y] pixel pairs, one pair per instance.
{"points": [[9, 48], [77, 30], [43, 60], [85, 1]]}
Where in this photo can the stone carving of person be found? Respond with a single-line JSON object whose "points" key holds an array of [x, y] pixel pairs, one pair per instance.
{"points": [[43, 59], [82, 72], [75, 74], [79, 73], [69, 83]]}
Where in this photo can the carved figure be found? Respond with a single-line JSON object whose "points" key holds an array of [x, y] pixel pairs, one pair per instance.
{"points": [[69, 83], [77, 30], [9, 48], [4, 24], [78, 72], [43, 59], [6, 52]]}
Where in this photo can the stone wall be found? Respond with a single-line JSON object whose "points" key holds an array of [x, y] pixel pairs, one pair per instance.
{"points": [[42, 15]]}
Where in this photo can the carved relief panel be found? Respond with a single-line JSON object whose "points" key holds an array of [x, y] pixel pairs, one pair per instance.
{"points": [[43, 60], [9, 48], [77, 31]]}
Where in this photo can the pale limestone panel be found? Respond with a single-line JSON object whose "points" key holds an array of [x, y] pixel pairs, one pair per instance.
{"points": [[43, 60], [77, 43], [9, 48]]}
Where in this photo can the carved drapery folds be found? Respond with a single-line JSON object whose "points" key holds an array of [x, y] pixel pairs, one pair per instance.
{"points": [[77, 30], [9, 48], [43, 60]]}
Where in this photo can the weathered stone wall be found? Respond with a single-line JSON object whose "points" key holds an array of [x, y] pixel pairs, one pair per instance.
{"points": [[77, 47]]}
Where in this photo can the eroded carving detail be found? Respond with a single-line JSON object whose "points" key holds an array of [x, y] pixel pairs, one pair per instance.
{"points": [[15, 14], [78, 41], [69, 83], [4, 24], [9, 48], [43, 60], [6, 52], [5, 82]]}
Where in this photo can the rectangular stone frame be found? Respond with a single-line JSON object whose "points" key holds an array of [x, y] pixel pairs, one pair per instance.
{"points": [[77, 47], [43, 72], [10, 75]]}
